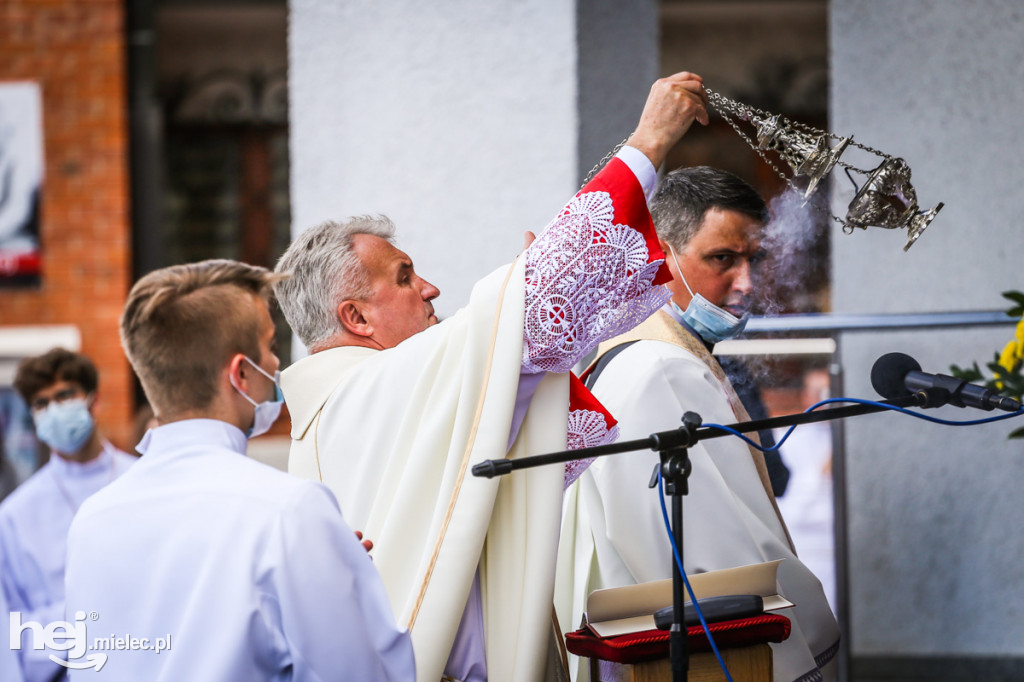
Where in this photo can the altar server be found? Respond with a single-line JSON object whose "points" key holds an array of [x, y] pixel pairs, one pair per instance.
{"points": [[242, 572], [709, 222]]}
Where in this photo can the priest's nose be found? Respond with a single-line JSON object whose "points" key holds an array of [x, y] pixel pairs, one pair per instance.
{"points": [[428, 291]]}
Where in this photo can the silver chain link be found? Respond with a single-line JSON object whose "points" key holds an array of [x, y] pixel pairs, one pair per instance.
{"points": [[746, 113], [600, 164]]}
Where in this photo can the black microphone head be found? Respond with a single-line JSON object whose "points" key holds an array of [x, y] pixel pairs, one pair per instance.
{"points": [[888, 372]]}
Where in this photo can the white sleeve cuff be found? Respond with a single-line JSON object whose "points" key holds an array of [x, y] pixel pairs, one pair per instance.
{"points": [[642, 168]]}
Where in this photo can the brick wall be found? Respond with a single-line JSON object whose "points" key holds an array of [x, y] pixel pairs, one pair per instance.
{"points": [[75, 50]]}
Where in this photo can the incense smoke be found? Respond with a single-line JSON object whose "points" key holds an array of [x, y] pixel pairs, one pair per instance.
{"points": [[796, 247], [793, 278]]}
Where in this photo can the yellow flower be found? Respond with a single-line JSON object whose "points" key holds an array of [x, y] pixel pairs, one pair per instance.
{"points": [[1009, 359], [1013, 353]]}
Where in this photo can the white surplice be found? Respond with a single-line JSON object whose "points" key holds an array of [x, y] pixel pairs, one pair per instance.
{"points": [[613, 531], [251, 573], [394, 433], [34, 522]]}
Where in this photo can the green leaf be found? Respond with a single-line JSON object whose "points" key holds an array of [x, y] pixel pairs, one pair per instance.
{"points": [[1014, 386], [1019, 433], [1014, 296], [1017, 298], [998, 371], [969, 374]]}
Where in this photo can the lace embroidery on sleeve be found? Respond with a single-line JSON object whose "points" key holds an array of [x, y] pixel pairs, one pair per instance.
{"points": [[586, 429], [587, 280]]}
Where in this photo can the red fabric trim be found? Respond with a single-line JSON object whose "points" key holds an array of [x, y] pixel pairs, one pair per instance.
{"points": [[630, 208], [650, 645], [580, 398]]}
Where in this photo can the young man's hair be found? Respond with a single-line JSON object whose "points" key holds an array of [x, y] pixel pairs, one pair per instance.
{"points": [[39, 373], [324, 270], [182, 325], [685, 195]]}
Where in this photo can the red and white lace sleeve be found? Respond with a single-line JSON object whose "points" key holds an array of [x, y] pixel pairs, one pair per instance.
{"points": [[593, 273], [590, 424]]}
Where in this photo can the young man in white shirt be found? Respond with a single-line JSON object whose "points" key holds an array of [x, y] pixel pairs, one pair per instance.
{"points": [[240, 571]]}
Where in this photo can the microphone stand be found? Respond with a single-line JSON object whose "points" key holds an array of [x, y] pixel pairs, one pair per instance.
{"points": [[673, 449]]}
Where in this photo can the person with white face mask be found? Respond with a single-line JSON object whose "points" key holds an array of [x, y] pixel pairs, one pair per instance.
{"points": [[60, 387], [250, 574], [264, 413], [709, 223]]}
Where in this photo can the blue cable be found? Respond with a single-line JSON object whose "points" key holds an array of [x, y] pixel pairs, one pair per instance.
{"points": [[894, 408], [689, 590]]}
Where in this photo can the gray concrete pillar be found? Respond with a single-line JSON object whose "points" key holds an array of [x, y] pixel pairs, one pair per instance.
{"points": [[934, 511]]}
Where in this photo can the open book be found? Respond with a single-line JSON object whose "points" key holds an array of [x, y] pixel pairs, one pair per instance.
{"points": [[621, 610]]}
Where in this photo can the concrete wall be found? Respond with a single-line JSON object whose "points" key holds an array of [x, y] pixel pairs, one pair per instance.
{"points": [[935, 540], [460, 120]]}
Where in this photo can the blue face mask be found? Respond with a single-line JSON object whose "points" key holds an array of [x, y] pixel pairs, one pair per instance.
{"points": [[713, 324], [65, 426], [267, 412]]}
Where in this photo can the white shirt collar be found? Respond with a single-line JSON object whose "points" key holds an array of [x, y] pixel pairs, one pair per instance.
{"points": [[176, 435]]}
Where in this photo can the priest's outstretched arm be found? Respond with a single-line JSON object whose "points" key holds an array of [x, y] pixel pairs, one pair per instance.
{"points": [[594, 272]]}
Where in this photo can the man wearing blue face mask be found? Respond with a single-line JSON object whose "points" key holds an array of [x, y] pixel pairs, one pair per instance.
{"points": [[60, 387], [709, 223]]}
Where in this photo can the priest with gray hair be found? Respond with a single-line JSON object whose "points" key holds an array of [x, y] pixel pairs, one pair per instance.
{"points": [[391, 409]]}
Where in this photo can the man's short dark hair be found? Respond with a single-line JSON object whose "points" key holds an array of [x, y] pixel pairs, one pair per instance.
{"points": [[685, 195], [41, 372]]}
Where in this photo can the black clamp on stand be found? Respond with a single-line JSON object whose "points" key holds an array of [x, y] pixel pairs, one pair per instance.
{"points": [[675, 470]]}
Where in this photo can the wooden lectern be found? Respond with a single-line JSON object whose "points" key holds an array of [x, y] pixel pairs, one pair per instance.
{"points": [[745, 664]]}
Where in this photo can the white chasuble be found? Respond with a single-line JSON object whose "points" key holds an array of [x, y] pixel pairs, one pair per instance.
{"points": [[613, 533], [396, 444]]}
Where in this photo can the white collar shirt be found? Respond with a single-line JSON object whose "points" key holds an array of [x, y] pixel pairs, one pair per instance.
{"points": [[245, 573]]}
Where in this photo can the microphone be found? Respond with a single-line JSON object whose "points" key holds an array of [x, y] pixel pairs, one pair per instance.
{"points": [[897, 375]]}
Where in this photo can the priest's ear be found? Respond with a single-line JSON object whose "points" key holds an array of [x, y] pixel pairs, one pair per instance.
{"points": [[350, 314]]}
